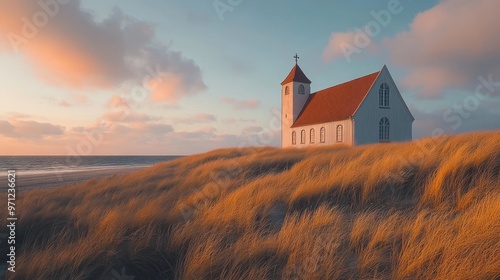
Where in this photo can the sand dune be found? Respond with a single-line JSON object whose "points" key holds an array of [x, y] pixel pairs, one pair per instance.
{"points": [[422, 210]]}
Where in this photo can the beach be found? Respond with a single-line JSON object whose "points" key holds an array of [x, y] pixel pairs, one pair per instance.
{"points": [[30, 181], [36, 172]]}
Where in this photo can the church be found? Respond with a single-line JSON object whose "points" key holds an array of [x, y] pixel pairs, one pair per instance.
{"points": [[369, 109]]}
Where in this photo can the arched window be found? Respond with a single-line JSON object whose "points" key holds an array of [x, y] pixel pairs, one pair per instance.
{"points": [[383, 129], [294, 138], [339, 133], [322, 135], [302, 90], [287, 90], [311, 135], [303, 137], [383, 96]]}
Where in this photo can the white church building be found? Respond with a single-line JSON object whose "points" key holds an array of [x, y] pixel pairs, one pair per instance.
{"points": [[369, 109]]}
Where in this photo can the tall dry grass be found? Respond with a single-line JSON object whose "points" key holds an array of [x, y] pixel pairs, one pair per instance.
{"points": [[422, 210]]}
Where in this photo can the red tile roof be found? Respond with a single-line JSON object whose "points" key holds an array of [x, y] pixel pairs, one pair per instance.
{"points": [[296, 75], [335, 103]]}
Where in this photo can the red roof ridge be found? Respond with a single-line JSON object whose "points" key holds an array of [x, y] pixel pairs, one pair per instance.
{"points": [[350, 81], [335, 103]]}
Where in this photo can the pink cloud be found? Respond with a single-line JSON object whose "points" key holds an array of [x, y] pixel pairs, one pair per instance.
{"points": [[128, 116], [117, 102], [72, 49], [75, 100], [18, 115], [64, 103], [198, 118], [81, 99], [29, 129], [127, 138], [167, 87], [238, 120], [338, 45], [240, 104], [207, 133], [449, 45], [131, 131], [347, 44]]}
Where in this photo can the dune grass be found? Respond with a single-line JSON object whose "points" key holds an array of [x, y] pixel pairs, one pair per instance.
{"points": [[428, 209]]}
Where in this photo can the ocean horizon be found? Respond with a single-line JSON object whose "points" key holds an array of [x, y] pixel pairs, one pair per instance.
{"points": [[39, 165], [38, 172]]}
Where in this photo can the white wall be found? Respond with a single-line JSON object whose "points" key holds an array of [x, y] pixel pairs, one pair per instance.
{"points": [[368, 115], [330, 134], [292, 104]]}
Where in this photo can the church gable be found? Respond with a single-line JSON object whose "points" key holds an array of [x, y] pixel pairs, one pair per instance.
{"points": [[336, 103], [397, 95], [383, 115], [396, 100]]}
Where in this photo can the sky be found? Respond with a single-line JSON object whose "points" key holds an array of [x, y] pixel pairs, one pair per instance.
{"points": [[182, 77]]}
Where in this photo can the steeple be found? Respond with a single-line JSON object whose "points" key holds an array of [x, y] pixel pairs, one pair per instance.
{"points": [[296, 75], [295, 91]]}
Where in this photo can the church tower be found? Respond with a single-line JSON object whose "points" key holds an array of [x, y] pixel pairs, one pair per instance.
{"points": [[295, 91]]}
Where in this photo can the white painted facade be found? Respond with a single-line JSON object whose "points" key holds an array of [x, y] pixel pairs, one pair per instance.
{"points": [[293, 102], [361, 128], [291, 105], [369, 113], [330, 137]]}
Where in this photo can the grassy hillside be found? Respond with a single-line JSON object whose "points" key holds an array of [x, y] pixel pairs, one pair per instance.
{"points": [[422, 210]]}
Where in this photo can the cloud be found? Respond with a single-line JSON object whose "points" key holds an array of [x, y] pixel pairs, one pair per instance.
{"points": [[207, 132], [77, 100], [346, 44], [70, 48], [238, 120], [81, 99], [127, 116], [64, 103], [140, 138], [70, 101], [198, 118], [29, 129], [18, 115], [128, 130], [153, 128], [249, 130], [125, 135], [456, 119], [171, 87], [449, 45], [239, 104], [339, 45], [117, 102]]}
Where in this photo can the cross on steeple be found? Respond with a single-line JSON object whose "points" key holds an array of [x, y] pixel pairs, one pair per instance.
{"points": [[296, 58]]}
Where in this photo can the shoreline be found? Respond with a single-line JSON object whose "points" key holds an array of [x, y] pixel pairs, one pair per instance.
{"points": [[56, 179]]}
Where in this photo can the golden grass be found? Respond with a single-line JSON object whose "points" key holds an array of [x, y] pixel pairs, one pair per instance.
{"points": [[428, 209]]}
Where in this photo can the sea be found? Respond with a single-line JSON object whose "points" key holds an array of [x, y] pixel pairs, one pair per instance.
{"points": [[39, 165], [37, 172]]}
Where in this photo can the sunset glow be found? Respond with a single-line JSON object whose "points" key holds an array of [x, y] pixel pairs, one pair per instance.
{"points": [[164, 77]]}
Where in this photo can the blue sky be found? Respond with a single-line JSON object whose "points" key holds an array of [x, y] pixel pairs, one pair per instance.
{"points": [[181, 77]]}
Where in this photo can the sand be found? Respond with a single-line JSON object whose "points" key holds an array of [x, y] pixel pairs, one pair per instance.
{"points": [[48, 180]]}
